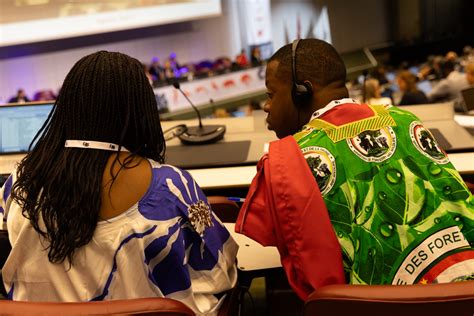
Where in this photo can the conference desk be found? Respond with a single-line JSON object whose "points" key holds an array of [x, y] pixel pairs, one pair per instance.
{"points": [[250, 130], [248, 135], [254, 129], [240, 174], [251, 255]]}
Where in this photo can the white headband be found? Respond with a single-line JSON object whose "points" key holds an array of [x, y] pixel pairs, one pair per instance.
{"points": [[88, 144]]}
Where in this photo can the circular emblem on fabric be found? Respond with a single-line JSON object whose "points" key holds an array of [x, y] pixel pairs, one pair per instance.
{"points": [[426, 143], [374, 146], [322, 165]]}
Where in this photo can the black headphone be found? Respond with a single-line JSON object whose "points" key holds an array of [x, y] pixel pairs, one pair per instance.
{"points": [[301, 92]]}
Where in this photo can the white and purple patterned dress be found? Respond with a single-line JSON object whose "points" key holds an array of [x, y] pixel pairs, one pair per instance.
{"points": [[169, 244]]}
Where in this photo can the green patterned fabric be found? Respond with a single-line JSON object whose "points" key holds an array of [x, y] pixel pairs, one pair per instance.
{"points": [[401, 212]]}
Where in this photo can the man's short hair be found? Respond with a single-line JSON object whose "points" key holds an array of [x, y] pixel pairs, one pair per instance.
{"points": [[316, 61]]}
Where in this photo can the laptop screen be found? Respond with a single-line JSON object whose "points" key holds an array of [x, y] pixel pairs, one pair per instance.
{"points": [[19, 125], [468, 96], [424, 86]]}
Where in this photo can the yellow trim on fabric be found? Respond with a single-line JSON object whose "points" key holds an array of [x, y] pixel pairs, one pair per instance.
{"points": [[380, 119]]}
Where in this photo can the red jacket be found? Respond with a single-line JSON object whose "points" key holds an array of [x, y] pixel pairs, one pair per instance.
{"points": [[284, 208]]}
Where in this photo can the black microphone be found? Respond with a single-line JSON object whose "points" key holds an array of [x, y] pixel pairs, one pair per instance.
{"points": [[196, 135]]}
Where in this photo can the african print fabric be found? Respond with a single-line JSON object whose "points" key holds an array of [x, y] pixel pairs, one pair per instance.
{"points": [[401, 212], [169, 244]]}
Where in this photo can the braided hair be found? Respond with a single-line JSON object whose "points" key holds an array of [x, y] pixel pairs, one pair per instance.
{"points": [[105, 97]]}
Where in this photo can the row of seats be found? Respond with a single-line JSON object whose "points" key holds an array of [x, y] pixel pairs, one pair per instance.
{"points": [[433, 299]]}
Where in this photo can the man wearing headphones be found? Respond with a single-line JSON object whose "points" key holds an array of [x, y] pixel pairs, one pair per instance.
{"points": [[380, 202]]}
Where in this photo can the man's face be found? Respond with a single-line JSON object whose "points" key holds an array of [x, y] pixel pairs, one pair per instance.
{"points": [[282, 114]]}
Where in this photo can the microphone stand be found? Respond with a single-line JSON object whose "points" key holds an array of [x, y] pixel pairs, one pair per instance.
{"points": [[200, 134]]}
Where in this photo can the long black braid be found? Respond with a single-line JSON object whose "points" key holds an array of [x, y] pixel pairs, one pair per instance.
{"points": [[105, 97]]}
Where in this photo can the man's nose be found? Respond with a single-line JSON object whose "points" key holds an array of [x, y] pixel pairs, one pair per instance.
{"points": [[266, 106]]}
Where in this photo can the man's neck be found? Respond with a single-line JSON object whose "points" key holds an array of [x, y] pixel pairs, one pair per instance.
{"points": [[326, 95]]}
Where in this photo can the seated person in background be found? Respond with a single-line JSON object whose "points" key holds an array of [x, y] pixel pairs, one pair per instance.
{"points": [[469, 70], [449, 88], [221, 113], [453, 57], [168, 72], [20, 97], [379, 73], [156, 70], [365, 180], [253, 105], [432, 69], [148, 74], [373, 93], [45, 95], [174, 64], [256, 57], [242, 60], [92, 212], [411, 95]]}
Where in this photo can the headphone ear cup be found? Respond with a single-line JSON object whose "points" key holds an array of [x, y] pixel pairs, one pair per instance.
{"points": [[302, 93], [309, 87]]}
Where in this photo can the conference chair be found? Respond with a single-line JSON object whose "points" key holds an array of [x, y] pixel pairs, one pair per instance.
{"points": [[140, 306], [5, 249], [227, 211], [455, 298]]}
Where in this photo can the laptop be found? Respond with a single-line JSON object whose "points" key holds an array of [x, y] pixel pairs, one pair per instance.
{"points": [[468, 97], [425, 86], [19, 124]]}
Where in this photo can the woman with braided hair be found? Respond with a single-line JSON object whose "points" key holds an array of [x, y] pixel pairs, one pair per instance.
{"points": [[92, 211]]}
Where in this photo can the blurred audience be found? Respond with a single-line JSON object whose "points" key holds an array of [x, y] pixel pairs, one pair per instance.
{"points": [[256, 57], [20, 97], [449, 88], [253, 105], [148, 74], [222, 65], [156, 70], [380, 73], [373, 93], [221, 112], [411, 94], [45, 95], [242, 60], [469, 70], [432, 70], [175, 66]]}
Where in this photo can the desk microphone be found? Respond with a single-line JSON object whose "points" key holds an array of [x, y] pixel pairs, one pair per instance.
{"points": [[196, 135]]}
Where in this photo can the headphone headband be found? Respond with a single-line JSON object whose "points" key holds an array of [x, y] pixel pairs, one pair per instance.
{"points": [[294, 46], [301, 92]]}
